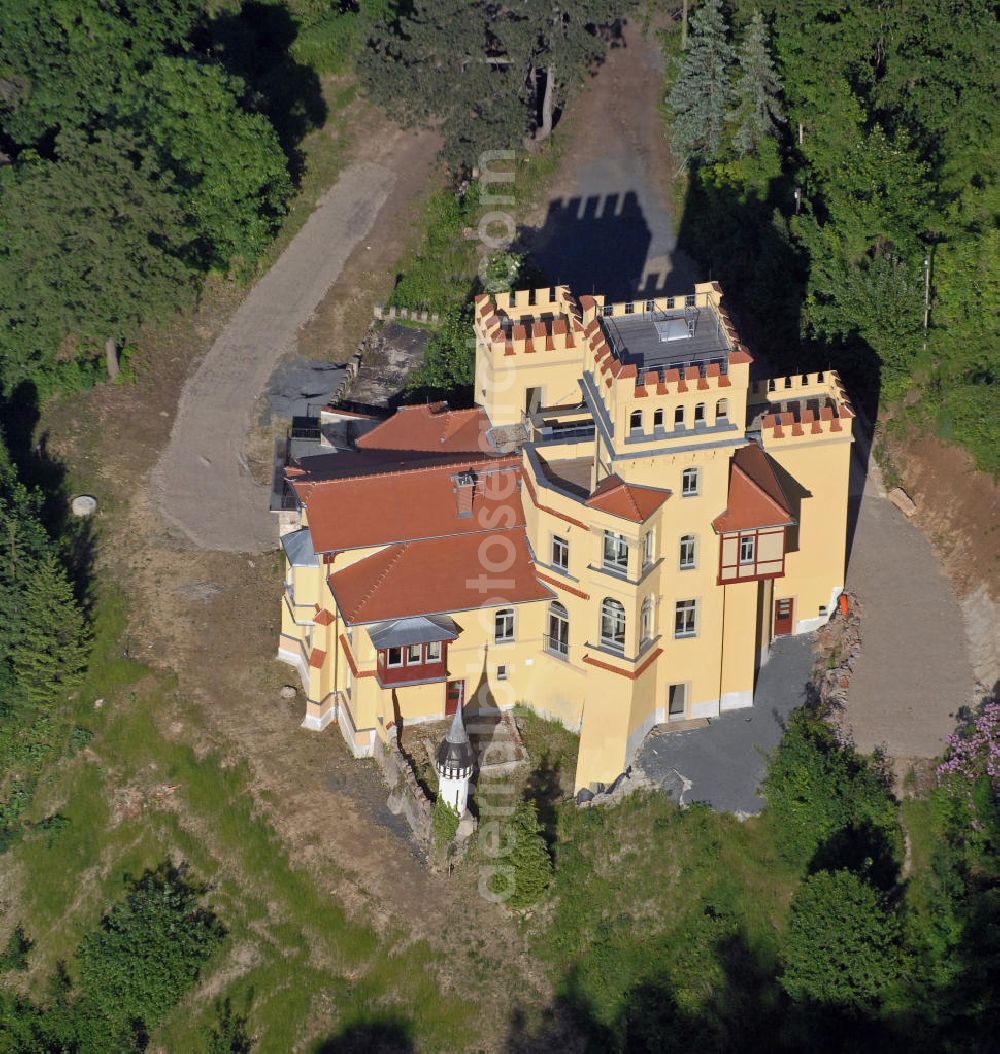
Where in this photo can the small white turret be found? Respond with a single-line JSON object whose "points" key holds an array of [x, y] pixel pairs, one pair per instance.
{"points": [[455, 763]]}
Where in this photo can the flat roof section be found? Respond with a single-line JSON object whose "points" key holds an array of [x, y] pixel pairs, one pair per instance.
{"points": [[667, 339]]}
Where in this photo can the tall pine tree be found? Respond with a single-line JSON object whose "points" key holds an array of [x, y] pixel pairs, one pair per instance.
{"points": [[50, 655], [702, 95], [757, 90]]}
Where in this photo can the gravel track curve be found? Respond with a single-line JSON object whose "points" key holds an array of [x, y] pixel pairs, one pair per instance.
{"points": [[202, 485]]}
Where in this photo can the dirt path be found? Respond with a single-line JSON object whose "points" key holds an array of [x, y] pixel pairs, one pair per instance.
{"points": [[608, 225], [914, 670], [202, 484]]}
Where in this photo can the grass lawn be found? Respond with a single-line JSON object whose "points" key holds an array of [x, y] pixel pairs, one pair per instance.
{"points": [[135, 796]]}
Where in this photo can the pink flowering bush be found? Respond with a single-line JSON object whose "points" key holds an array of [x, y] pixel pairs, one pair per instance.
{"points": [[974, 751]]}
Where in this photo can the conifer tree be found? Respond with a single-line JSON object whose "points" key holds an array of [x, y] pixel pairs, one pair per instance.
{"points": [[701, 97], [529, 857], [757, 90], [51, 653]]}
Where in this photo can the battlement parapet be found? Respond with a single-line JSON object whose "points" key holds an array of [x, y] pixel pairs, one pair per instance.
{"points": [[528, 321], [828, 420]]}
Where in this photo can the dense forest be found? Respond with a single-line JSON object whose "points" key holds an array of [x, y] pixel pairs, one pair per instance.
{"points": [[843, 162]]}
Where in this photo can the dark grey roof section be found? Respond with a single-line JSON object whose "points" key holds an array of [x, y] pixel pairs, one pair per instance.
{"points": [[417, 630], [298, 548], [454, 755], [667, 339]]}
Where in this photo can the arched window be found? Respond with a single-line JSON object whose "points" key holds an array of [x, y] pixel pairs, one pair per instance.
{"points": [[646, 621], [689, 482], [699, 412], [657, 418], [613, 624], [687, 552], [679, 416], [558, 636], [503, 625], [722, 408], [635, 421]]}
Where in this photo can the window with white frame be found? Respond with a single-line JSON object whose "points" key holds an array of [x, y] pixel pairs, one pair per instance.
{"points": [[685, 622], [613, 624], [560, 552], [658, 418], [557, 641], [413, 656], [699, 413], [722, 409], [646, 621], [615, 552], [689, 482], [687, 552], [502, 673], [635, 421], [648, 548], [394, 657], [679, 416], [503, 626], [434, 651], [748, 546]]}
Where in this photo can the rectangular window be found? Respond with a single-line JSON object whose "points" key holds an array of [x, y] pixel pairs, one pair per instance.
{"points": [[650, 306], [413, 655], [607, 310], [434, 651], [684, 618], [395, 657], [630, 308], [747, 546], [687, 552], [501, 673], [615, 552], [560, 553], [689, 482], [648, 549], [504, 626]]}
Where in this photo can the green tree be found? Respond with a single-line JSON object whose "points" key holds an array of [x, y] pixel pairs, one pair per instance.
{"points": [[449, 362], [824, 795], [842, 946], [756, 89], [51, 651], [145, 955], [79, 269], [529, 857], [68, 64], [702, 94], [233, 193]]}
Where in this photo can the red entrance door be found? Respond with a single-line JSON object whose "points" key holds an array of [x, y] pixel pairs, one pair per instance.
{"points": [[454, 697], [783, 617]]}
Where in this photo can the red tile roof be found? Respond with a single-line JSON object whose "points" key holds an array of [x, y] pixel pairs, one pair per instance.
{"points": [[626, 500], [756, 498], [378, 508], [431, 428], [438, 575]]}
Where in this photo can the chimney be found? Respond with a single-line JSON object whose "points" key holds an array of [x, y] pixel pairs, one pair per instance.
{"points": [[465, 489]]}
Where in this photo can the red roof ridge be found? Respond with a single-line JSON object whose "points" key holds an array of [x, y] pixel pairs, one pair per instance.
{"points": [[614, 485], [502, 461]]}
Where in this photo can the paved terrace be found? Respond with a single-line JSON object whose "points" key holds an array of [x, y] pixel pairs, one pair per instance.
{"points": [[724, 763]]}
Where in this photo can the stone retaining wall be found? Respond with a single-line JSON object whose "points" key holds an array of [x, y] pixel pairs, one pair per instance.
{"points": [[406, 797]]}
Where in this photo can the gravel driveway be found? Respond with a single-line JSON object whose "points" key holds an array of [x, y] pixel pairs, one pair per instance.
{"points": [[202, 484], [723, 764]]}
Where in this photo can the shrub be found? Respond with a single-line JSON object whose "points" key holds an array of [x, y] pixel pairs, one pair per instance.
{"points": [[444, 823], [529, 857], [821, 793], [141, 960], [15, 952], [842, 945]]}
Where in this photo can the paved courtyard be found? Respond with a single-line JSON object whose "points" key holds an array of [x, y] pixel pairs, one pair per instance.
{"points": [[723, 764]]}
